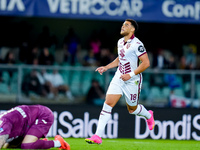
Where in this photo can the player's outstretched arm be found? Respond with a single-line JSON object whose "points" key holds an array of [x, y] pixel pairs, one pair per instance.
{"points": [[113, 64], [101, 69], [3, 139]]}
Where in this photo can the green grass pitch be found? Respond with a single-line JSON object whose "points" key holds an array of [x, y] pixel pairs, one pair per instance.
{"points": [[133, 144]]}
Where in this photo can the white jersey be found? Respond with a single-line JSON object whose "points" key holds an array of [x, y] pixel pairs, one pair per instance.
{"points": [[128, 53]]}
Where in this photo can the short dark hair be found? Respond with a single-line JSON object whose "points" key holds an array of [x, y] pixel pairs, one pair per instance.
{"points": [[133, 23]]}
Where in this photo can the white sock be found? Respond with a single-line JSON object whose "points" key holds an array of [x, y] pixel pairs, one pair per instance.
{"points": [[57, 144], [141, 111], [104, 117]]}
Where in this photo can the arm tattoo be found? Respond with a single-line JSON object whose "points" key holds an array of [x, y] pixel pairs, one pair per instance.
{"points": [[3, 139]]}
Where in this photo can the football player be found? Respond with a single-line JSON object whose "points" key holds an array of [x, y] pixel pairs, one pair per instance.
{"points": [[132, 60], [23, 126]]}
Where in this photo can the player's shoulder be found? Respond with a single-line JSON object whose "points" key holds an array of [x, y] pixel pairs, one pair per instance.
{"points": [[138, 45], [120, 40], [137, 41], [22, 106]]}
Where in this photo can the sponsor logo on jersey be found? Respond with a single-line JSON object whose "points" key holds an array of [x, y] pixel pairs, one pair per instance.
{"points": [[36, 121], [44, 121], [1, 130], [136, 82], [141, 48], [128, 45]]}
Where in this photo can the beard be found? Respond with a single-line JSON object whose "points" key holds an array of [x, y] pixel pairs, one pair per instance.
{"points": [[123, 33]]}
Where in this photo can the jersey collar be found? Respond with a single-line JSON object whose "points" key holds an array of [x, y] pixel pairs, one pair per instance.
{"points": [[129, 40]]}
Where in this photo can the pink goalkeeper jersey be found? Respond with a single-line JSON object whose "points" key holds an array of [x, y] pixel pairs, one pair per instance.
{"points": [[129, 53], [19, 120]]}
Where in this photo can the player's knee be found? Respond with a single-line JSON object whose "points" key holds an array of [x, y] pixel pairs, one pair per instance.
{"points": [[131, 109], [109, 104], [27, 146]]}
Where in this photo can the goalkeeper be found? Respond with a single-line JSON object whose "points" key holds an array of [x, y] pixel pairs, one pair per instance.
{"points": [[23, 126]]}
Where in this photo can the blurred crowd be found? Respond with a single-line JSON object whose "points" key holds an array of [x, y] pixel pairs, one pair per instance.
{"points": [[46, 84], [166, 59], [98, 52]]}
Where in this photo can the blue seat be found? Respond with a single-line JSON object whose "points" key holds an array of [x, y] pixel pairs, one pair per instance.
{"points": [[4, 88], [178, 92], [155, 92], [166, 91], [6, 77], [14, 88]]}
